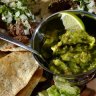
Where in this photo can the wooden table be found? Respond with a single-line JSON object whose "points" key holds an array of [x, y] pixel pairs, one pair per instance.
{"points": [[90, 89]]}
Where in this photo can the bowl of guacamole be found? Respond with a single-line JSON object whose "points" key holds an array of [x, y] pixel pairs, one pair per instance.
{"points": [[69, 52]]}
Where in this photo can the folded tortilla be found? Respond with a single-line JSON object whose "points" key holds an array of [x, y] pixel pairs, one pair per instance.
{"points": [[16, 69]]}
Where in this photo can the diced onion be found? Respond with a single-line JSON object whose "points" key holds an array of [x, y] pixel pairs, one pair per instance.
{"points": [[26, 31], [23, 17], [9, 20], [3, 17], [17, 14], [27, 25], [91, 4], [90, 10], [19, 4], [80, 8], [28, 14], [12, 4]]}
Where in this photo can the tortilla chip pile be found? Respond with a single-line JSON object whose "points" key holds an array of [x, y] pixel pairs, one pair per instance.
{"points": [[17, 69]]}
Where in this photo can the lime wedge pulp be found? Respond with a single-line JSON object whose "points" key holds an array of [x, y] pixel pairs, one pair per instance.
{"points": [[71, 21]]}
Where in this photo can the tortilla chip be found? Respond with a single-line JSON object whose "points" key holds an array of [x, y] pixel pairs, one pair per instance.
{"points": [[16, 69], [6, 46], [2, 54], [32, 84]]}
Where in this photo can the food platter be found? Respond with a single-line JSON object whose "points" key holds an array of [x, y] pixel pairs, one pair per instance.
{"points": [[42, 9]]}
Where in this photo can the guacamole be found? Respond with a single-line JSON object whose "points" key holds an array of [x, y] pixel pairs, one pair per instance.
{"points": [[71, 52], [61, 87]]}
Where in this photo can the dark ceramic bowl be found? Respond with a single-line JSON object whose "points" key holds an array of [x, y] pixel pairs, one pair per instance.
{"points": [[53, 22]]}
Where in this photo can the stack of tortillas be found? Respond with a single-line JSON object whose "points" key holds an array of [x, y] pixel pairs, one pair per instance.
{"points": [[19, 72]]}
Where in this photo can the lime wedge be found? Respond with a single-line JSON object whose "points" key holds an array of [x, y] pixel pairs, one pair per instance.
{"points": [[71, 21]]}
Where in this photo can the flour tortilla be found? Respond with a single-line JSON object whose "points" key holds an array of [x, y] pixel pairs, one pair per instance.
{"points": [[27, 91], [16, 69]]}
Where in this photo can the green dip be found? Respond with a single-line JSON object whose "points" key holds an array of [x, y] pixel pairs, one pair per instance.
{"points": [[61, 87], [70, 52]]}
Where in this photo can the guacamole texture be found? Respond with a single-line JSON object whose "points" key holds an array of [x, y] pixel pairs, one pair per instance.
{"points": [[61, 87], [72, 52]]}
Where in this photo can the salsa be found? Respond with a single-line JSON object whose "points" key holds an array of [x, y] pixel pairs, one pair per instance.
{"points": [[72, 52]]}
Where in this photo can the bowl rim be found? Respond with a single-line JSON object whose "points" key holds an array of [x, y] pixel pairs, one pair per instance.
{"points": [[36, 31]]}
